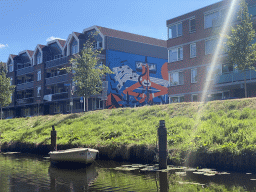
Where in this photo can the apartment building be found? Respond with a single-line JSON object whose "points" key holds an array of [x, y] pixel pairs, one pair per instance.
{"points": [[43, 85], [191, 44]]}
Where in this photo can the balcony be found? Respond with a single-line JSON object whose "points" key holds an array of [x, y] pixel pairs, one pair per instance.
{"points": [[23, 86], [57, 62], [25, 70], [57, 79], [56, 96], [25, 101], [234, 77]]}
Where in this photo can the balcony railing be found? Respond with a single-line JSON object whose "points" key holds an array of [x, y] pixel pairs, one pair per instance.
{"points": [[235, 76], [24, 86], [57, 79], [25, 101], [56, 96], [25, 70], [57, 62]]}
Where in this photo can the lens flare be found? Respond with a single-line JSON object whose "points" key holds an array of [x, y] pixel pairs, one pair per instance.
{"points": [[215, 59]]}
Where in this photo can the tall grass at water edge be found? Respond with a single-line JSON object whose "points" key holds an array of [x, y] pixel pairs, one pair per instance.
{"points": [[224, 127]]}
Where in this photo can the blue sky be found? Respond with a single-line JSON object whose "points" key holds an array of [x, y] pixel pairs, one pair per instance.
{"points": [[26, 23]]}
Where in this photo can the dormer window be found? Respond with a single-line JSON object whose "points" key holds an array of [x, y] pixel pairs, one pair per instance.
{"points": [[74, 47], [38, 58], [97, 45], [10, 67]]}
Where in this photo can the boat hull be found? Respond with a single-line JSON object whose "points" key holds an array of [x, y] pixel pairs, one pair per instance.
{"points": [[77, 155]]}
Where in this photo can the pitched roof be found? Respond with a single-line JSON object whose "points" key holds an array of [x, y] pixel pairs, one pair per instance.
{"points": [[62, 42], [77, 34], [41, 46], [132, 37], [30, 53], [13, 56]]}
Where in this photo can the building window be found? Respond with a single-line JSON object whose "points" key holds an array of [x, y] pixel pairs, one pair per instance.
{"points": [[210, 19], [194, 98], [192, 50], [38, 58], [193, 75], [97, 45], [10, 67], [177, 99], [39, 91], [11, 80], [39, 75], [192, 25], [176, 54], [227, 68], [176, 78], [210, 46], [216, 71], [215, 18], [74, 47], [175, 31]]}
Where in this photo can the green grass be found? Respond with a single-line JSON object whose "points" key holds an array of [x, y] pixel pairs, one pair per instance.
{"points": [[224, 126]]}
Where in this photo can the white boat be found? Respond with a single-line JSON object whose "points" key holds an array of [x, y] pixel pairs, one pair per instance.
{"points": [[79, 155]]}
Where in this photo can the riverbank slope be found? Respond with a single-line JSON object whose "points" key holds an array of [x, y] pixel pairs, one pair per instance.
{"points": [[222, 135]]}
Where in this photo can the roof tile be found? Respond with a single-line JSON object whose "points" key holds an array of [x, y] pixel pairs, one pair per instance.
{"points": [[132, 37]]}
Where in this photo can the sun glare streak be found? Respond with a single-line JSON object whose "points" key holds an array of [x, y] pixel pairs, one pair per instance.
{"points": [[215, 59]]}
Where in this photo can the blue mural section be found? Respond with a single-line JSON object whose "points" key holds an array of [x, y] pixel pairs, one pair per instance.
{"points": [[137, 80]]}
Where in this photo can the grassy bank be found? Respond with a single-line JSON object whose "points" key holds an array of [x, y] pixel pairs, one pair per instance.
{"points": [[223, 136]]}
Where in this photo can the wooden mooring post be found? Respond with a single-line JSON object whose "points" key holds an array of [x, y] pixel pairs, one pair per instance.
{"points": [[53, 139], [162, 143]]}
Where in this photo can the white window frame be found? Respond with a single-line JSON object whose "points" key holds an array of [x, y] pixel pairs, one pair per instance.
{"points": [[192, 31], [179, 56], [10, 67], [176, 28], [206, 53], [193, 79], [11, 79], [74, 47], [178, 97], [191, 47], [38, 58], [38, 93], [179, 82], [39, 75], [210, 13]]}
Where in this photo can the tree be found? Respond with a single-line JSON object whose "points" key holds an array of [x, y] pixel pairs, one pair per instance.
{"points": [[239, 46], [6, 89], [87, 72]]}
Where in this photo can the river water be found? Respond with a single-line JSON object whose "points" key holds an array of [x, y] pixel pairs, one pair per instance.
{"points": [[23, 172]]}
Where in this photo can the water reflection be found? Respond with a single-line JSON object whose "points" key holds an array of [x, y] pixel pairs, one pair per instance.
{"points": [[68, 179], [30, 173], [163, 179]]}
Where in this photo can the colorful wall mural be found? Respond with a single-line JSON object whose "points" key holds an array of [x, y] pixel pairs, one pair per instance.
{"points": [[137, 80]]}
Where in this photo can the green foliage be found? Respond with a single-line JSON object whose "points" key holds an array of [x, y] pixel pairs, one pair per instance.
{"points": [[6, 89], [240, 48], [219, 128], [87, 72]]}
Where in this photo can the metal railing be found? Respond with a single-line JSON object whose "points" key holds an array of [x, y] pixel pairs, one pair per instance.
{"points": [[56, 79], [57, 62], [25, 100], [23, 86], [235, 76]]}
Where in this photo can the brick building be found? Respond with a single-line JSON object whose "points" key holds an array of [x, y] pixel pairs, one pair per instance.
{"points": [[43, 86], [191, 44]]}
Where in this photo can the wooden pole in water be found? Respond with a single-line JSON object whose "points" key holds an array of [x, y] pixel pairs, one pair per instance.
{"points": [[53, 139], [162, 143]]}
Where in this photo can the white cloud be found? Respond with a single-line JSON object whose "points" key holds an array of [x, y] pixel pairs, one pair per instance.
{"points": [[52, 38], [3, 46]]}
